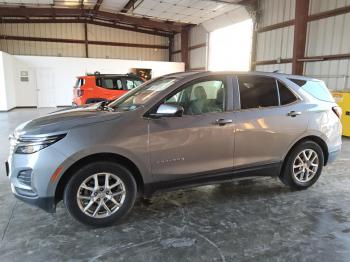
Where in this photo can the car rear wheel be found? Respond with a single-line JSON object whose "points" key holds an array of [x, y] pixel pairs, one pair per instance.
{"points": [[100, 194], [303, 165]]}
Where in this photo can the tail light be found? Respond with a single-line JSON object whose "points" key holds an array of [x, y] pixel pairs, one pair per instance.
{"points": [[80, 92], [337, 110]]}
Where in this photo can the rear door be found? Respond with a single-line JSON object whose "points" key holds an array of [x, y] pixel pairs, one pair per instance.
{"points": [[109, 87], [265, 125]]}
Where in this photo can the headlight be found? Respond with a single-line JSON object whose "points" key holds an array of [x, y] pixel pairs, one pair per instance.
{"points": [[29, 145]]}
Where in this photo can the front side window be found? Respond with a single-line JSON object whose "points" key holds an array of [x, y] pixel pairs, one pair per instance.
{"points": [[200, 98], [112, 83], [257, 92]]}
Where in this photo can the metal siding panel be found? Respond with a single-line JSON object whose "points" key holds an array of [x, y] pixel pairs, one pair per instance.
{"points": [[335, 73], [328, 36], [198, 35], [275, 44], [318, 6], [177, 42], [285, 68], [276, 11], [198, 57]]}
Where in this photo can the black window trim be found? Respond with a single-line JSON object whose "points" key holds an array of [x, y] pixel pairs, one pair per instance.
{"points": [[238, 94]]}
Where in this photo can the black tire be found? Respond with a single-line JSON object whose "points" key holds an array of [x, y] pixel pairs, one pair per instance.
{"points": [[71, 190], [287, 176]]}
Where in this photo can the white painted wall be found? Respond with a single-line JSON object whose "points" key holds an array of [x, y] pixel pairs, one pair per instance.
{"points": [[7, 85], [65, 70]]}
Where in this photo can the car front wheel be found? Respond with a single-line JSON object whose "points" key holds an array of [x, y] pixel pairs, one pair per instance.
{"points": [[303, 165], [100, 194]]}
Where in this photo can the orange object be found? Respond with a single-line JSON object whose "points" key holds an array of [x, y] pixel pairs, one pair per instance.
{"points": [[102, 87], [56, 174]]}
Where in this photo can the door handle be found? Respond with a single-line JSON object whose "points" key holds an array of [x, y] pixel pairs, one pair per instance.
{"points": [[294, 113], [222, 122]]}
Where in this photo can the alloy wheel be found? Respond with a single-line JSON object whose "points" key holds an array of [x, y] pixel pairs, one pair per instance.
{"points": [[101, 195], [305, 166]]}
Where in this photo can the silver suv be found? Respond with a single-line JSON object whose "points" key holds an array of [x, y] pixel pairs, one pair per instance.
{"points": [[178, 130]]}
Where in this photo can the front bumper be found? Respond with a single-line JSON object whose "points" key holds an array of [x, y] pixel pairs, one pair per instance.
{"points": [[46, 203], [332, 156], [39, 189]]}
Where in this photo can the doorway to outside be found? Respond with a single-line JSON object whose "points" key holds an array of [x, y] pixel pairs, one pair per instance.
{"points": [[230, 47]]}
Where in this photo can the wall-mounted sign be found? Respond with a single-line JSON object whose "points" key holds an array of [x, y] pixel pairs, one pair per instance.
{"points": [[24, 76]]}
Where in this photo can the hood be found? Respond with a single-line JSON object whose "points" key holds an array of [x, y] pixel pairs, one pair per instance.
{"points": [[63, 120]]}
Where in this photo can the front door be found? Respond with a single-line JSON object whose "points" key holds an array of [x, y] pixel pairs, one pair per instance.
{"points": [[201, 141], [45, 87], [265, 129]]}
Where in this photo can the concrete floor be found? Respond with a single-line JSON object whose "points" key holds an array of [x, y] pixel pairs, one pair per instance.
{"points": [[254, 220]]}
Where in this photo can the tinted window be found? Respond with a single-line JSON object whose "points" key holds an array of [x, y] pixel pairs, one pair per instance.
{"points": [[317, 89], [132, 83], [113, 83], [200, 98], [257, 91], [286, 96]]}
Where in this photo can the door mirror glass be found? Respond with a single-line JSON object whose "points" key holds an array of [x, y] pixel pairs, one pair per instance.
{"points": [[165, 110]]}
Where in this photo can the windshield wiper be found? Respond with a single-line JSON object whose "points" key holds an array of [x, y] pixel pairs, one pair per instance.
{"points": [[104, 106]]}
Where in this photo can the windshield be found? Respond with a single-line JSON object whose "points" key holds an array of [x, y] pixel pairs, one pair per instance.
{"points": [[142, 94]]}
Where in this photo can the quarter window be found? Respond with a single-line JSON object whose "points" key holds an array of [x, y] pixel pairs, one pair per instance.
{"points": [[200, 98], [257, 92], [316, 88]]}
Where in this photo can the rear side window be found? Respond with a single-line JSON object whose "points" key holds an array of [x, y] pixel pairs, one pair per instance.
{"points": [[317, 89], [132, 83], [113, 83], [257, 91], [286, 96]]}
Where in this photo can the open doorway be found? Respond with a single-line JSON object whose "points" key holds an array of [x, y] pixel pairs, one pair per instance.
{"points": [[230, 47]]}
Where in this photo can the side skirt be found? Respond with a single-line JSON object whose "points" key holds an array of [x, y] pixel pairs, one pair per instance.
{"points": [[271, 170]]}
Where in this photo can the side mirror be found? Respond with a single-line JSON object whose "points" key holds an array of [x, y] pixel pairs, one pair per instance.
{"points": [[165, 110]]}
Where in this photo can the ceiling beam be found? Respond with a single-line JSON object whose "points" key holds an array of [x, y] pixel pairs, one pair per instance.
{"points": [[130, 4], [84, 13], [77, 41], [97, 5], [84, 20]]}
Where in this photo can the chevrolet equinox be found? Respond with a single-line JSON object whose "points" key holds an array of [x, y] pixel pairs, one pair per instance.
{"points": [[178, 130]]}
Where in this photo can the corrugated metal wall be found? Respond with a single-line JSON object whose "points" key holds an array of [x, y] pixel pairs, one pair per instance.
{"points": [[317, 6], [275, 44], [197, 56], [65, 30], [76, 31], [276, 11], [328, 36]]}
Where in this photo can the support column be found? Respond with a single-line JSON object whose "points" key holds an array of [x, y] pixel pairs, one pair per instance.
{"points": [[184, 47], [300, 31], [86, 41], [171, 47]]}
